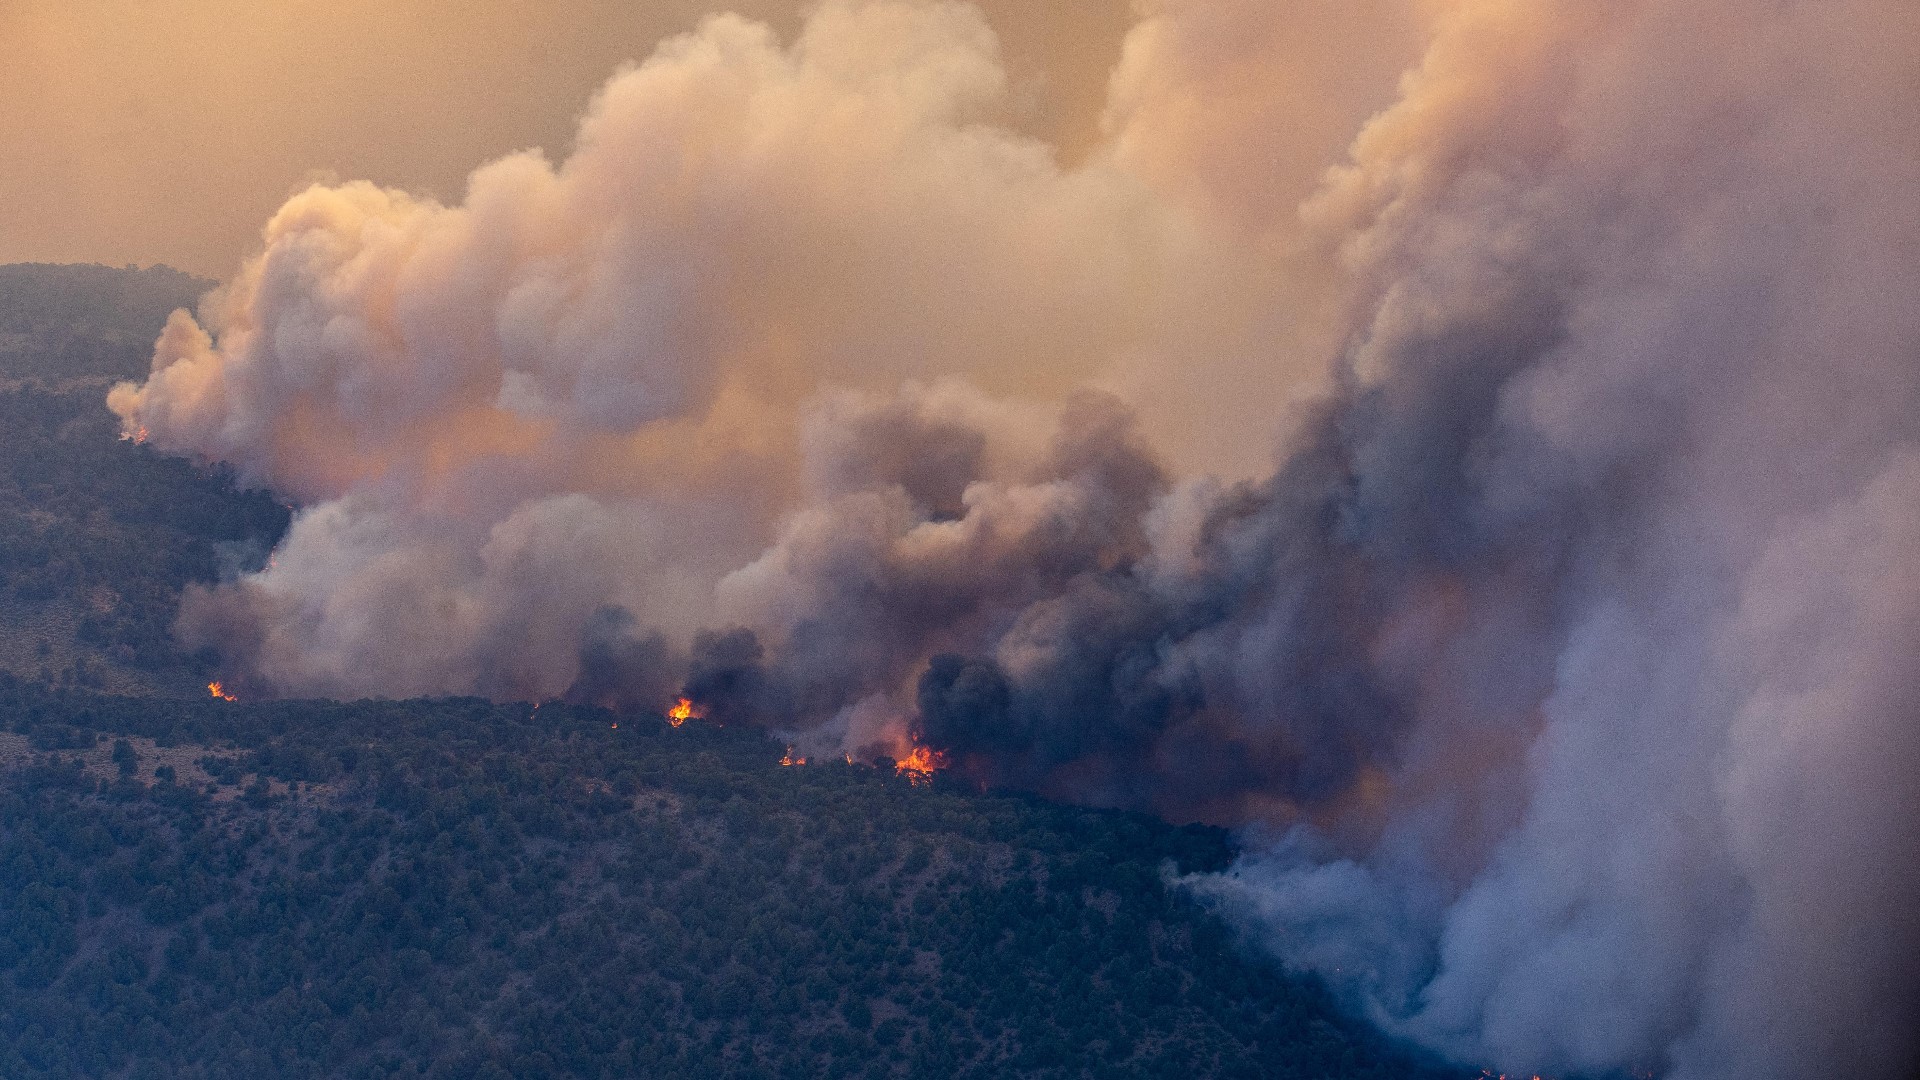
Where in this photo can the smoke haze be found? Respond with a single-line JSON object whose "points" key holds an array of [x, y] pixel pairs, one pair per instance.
{"points": [[168, 130], [1558, 667]]}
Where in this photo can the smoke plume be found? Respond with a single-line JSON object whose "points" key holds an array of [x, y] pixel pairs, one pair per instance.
{"points": [[1560, 670]]}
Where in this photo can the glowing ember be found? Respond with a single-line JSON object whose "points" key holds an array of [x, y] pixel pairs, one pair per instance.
{"points": [[920, 765], [789, 759], [683, 711], [220, 691]]}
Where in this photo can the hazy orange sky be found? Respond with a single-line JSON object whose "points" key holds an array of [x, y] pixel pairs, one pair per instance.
{"points": [[168, 131]]}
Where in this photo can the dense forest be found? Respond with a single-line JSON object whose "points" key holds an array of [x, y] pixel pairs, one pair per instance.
{"points": [[192, 887], [98, 534], [456, 888]]}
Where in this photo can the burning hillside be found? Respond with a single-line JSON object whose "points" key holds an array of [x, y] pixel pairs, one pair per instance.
{"points": [[1561, 665]]}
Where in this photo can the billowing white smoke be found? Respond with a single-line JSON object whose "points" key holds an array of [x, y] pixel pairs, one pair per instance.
{"points": [[577, 389], [1562, 671]]}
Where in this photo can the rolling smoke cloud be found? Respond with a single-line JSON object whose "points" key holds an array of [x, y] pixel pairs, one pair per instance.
{"points": [[1560, 670]]}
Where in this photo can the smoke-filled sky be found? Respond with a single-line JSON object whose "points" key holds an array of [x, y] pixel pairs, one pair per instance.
{"points": [[1472, 447], [168, 130]]}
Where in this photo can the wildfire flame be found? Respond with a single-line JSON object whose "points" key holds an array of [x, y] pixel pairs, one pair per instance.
{"points": [[217, 690], [137, 435], [920, 765], [789, 759], [684, 710]]}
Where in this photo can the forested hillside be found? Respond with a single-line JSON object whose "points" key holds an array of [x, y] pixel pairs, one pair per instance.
{"points": [[454, 888], [66, 324], [192, 887], [98, 534]]}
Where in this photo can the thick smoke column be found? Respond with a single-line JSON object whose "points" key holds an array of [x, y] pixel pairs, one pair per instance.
{"points": [[1626, 448], [1561, 670]]}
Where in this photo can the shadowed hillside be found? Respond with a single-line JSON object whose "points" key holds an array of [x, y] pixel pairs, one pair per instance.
{"points": [[97, 534], [86, 322], [452, 888]]}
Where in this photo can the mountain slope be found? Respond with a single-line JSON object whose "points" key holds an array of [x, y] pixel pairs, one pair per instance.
{"points": [[457, 888], [98, 535]]}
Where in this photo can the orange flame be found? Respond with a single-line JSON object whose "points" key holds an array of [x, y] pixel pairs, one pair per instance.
{"points": [[920, 765], [219, 691], [137, 435], [789, 759], [684, 710]]}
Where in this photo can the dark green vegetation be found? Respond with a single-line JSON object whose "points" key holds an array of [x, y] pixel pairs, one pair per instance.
{"points": [[191, 888], [453, 888], [99, 535], [65, 323]]}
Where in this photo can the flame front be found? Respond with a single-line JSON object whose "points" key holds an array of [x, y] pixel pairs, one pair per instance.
{"points": [[920, 765], [789, 759], [217, 690], [684, 710]]}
